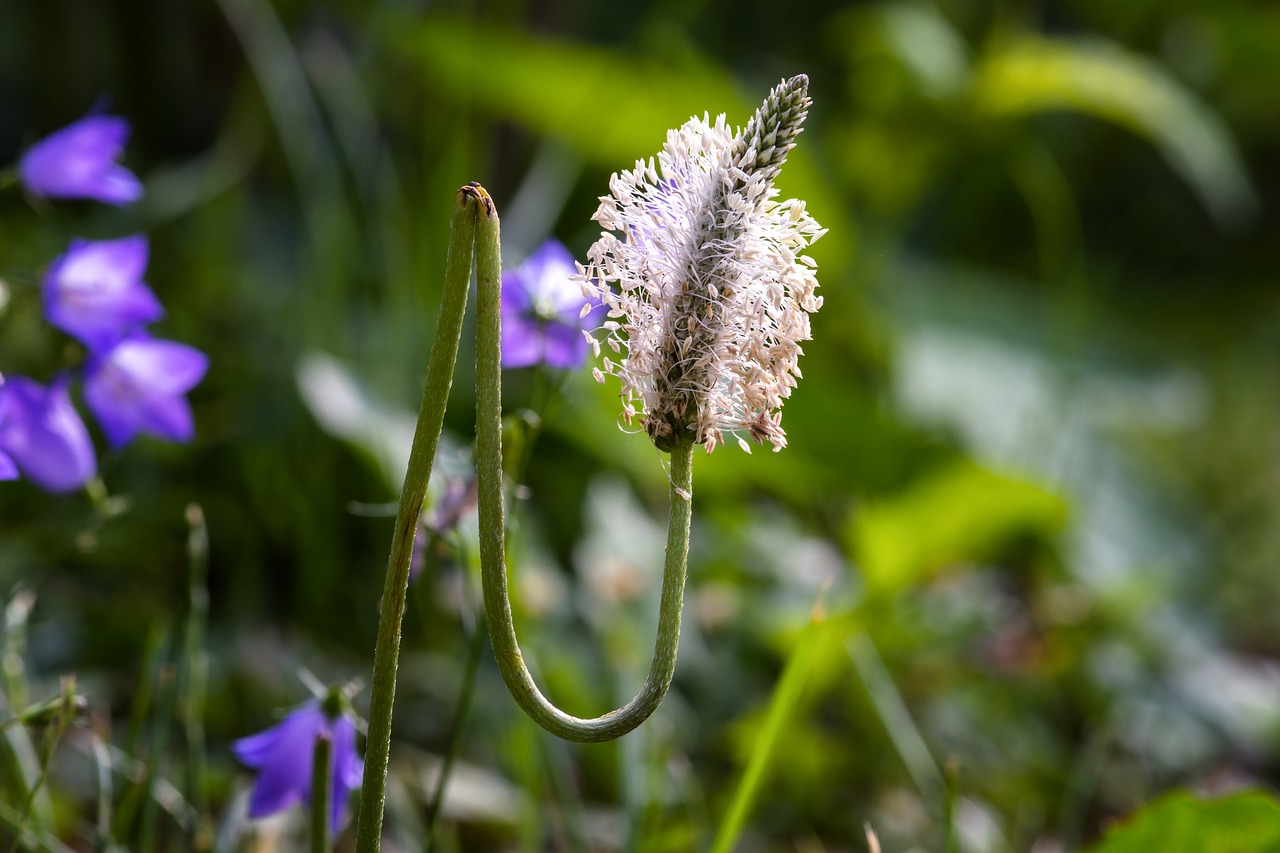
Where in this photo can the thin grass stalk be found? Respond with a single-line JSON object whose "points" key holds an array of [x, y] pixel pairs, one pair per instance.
{"points": [[10, 816], [897, 720], [193, 675], [144, 697], [157, 753], [60, 721], [103, 769], [20, 752]]}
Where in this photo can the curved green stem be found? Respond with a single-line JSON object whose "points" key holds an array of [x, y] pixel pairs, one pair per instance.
{"points": [[444, 353], [475, 227], [497, 605]]}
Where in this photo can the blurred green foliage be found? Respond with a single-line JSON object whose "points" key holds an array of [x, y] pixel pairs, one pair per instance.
{"points": [[958, 514], [1246, 821], [1034, 462]]}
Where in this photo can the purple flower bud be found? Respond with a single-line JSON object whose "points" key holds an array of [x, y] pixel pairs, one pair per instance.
{"points": [[542, 319], [283, 755], [95, 291], [43, 434], [138, 386], [79, 162]]}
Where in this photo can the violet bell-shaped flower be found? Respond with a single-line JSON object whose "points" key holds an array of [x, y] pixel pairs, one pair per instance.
{"points": [[283, 756], [42, 433], [79, 161], [544, 312], [707, 284], [139, 386], [95, 292]]}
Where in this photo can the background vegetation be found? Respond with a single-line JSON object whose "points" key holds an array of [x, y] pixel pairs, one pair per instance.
{"points": [[1014, 577]]}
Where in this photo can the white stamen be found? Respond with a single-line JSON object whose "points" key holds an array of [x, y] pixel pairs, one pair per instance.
{"points": [[705, 278]]}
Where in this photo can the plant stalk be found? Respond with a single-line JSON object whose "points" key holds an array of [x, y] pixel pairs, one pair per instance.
{"points": [[444, 354], [493, 569]]}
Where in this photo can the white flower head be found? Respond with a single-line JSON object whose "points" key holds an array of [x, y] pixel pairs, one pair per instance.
{"points": [[708, 290]]}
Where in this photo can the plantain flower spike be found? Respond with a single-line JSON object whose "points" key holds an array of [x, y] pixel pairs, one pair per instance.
{"points": [[704, 275]]}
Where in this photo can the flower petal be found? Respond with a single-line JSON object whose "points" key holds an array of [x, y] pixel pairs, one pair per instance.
{"points": [[165, 367], [564, 346], [542, 309], [347, 768], [548, 272], [79, 162], [95, 292], [282, 754], [515, 292], [522, 344], [44, 435], [8, 469], [137, 386]]}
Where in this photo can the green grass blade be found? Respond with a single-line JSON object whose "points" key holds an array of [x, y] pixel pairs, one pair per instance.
{"points": [[781, 708]]}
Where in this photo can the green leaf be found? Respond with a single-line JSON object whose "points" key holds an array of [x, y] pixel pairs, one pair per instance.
{"points": [[1029, 74], [342, 407], [1246, 822], [612, 107], [959, 513], [926, 43]]}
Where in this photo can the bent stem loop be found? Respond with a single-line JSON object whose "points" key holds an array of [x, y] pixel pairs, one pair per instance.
{"points": [[497, 605], [474, 227]]}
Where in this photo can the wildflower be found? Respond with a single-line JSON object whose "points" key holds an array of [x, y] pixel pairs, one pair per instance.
{"points": [[708, 290], [138, 386], [283, 755], [79, 162], [41, 432], [95, 292], [544, 311]]}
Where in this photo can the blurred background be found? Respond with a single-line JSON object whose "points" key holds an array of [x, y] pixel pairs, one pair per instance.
{"points": [[1015, 573]]}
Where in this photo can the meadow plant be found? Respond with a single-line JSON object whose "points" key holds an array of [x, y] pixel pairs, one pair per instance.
{"points": [[133, 384], [708, 293], [79, 161], [94, 292], [139, 386], [41, 431], [697, 300], [702, 292], [283, 756]]}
